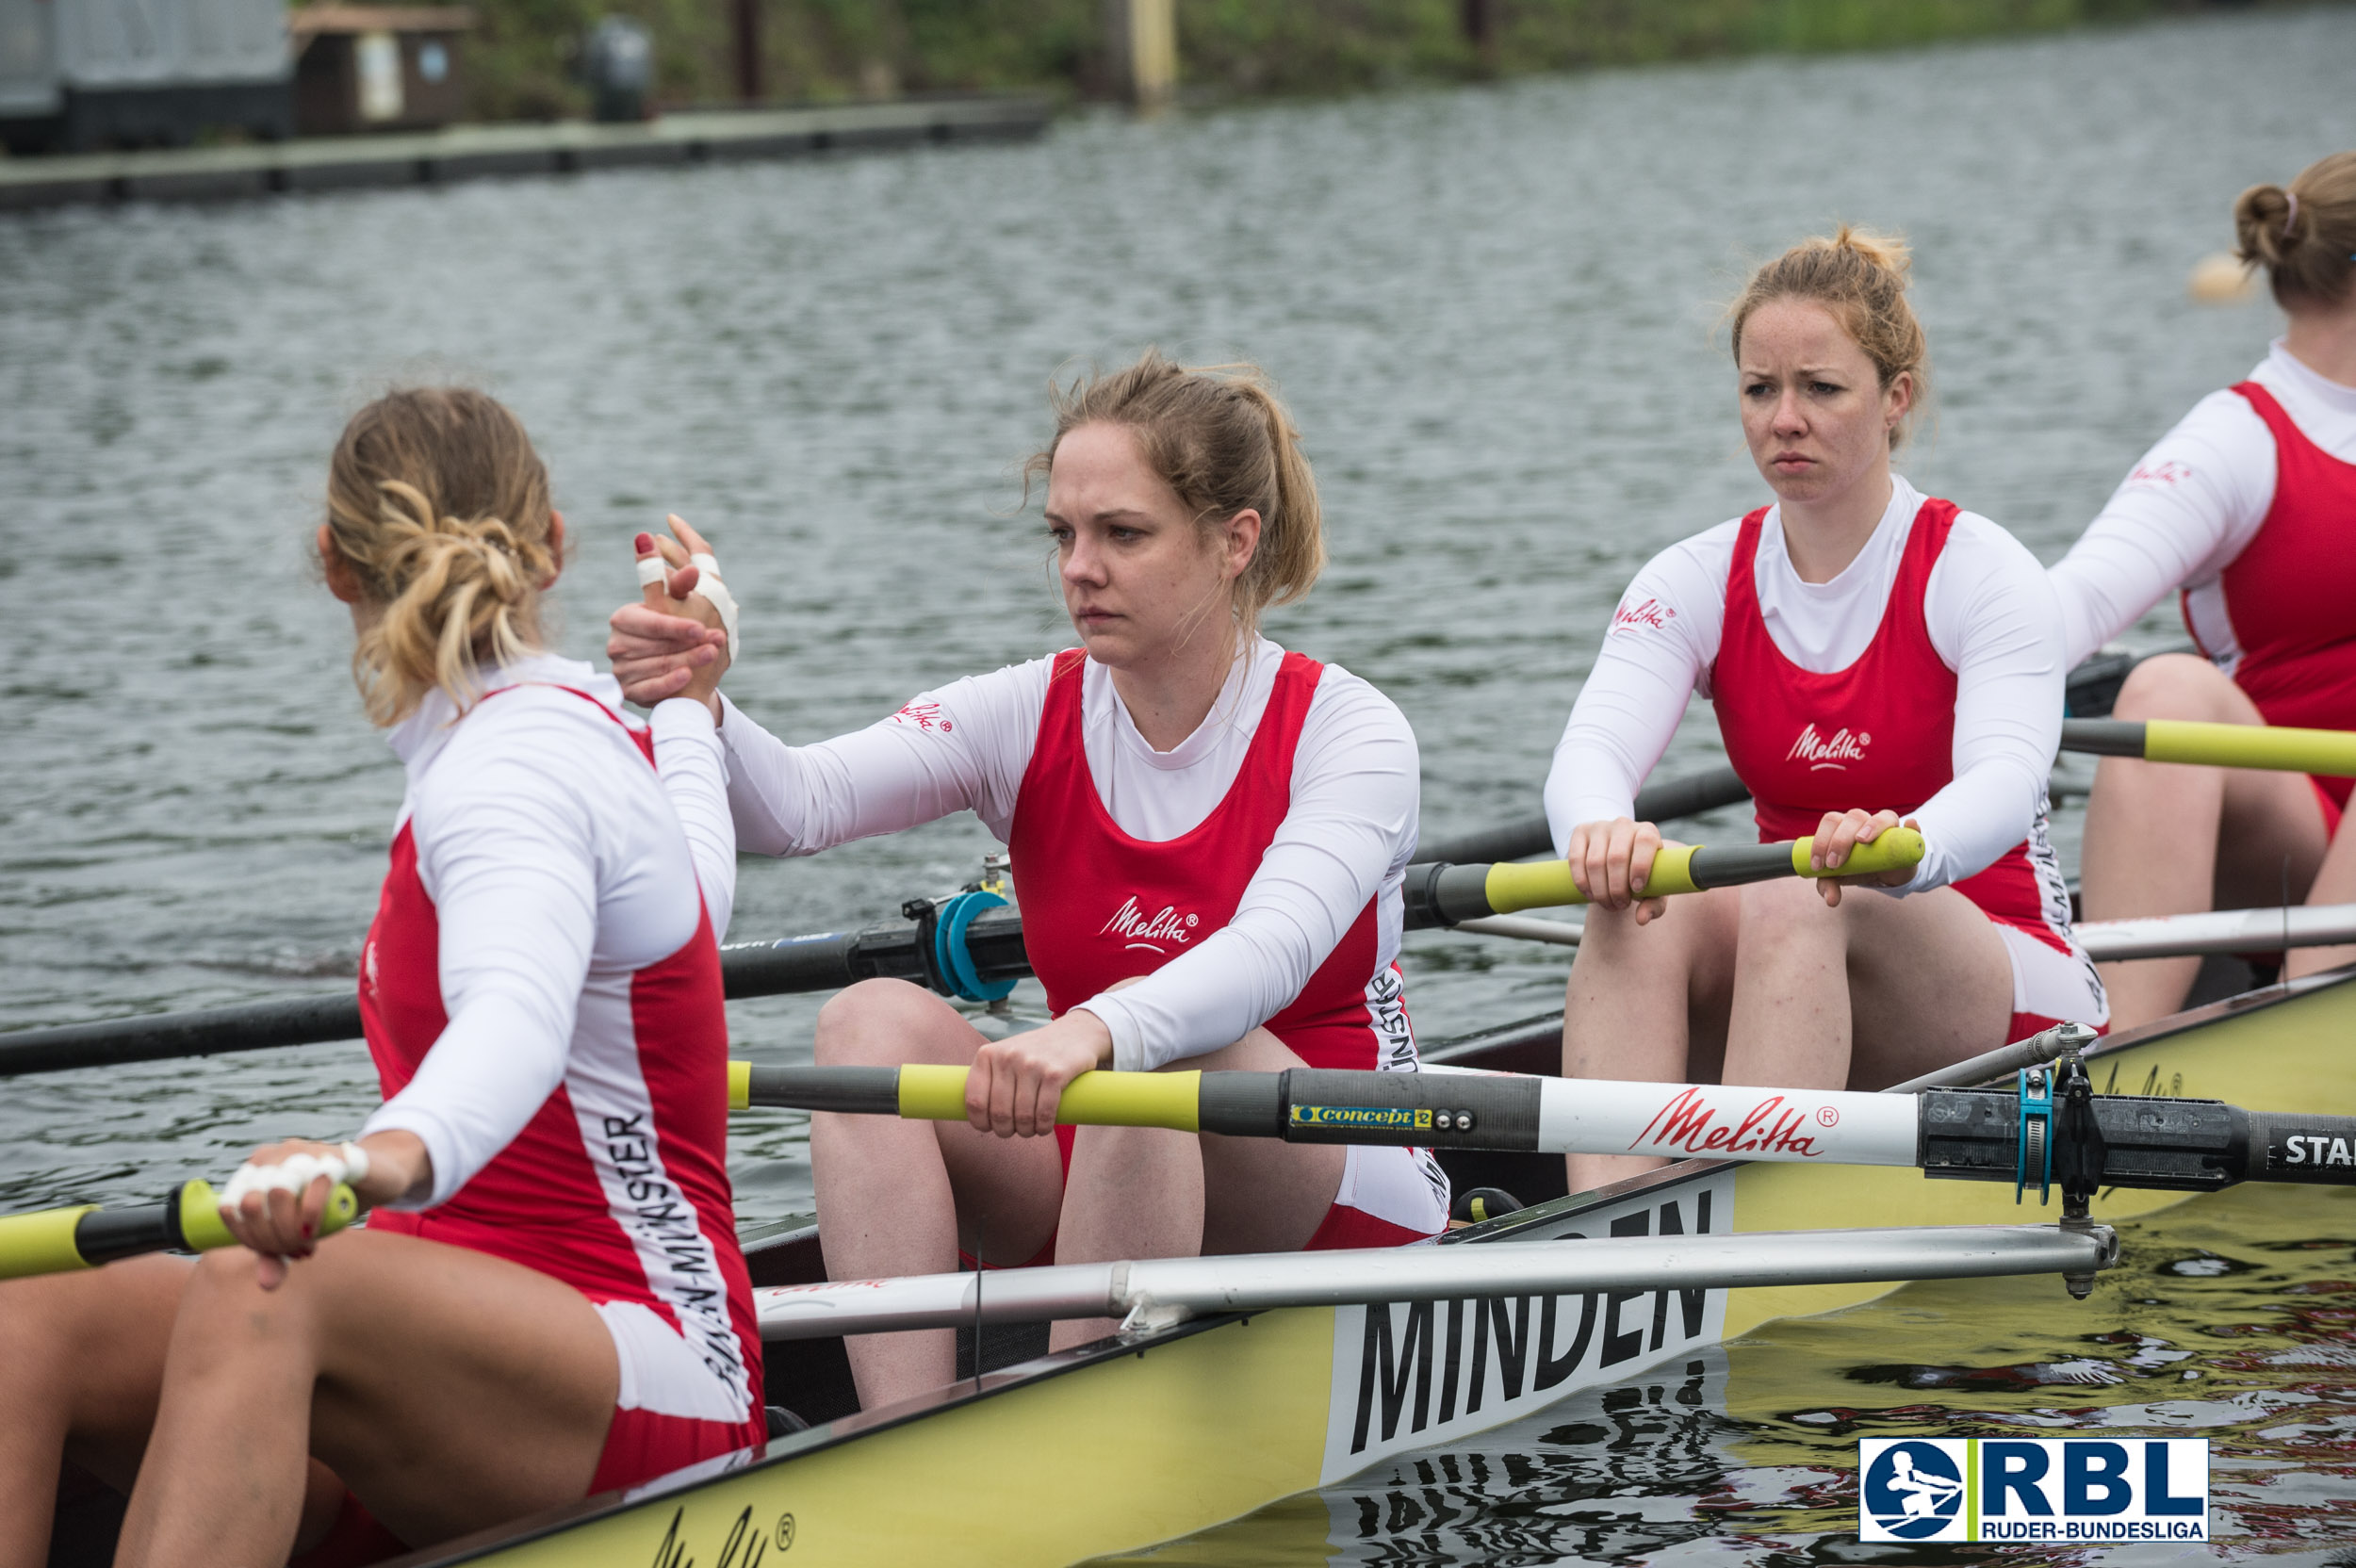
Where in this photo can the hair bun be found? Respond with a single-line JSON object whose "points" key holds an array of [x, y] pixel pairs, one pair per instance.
{"points": [[2266, 225]]}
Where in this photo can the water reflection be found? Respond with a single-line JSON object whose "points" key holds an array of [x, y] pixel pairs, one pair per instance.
{"points": [[1749, 1453]]}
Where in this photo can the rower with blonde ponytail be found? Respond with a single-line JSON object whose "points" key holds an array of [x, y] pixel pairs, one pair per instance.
{"points": [[1208, 836], [516, 1327], [438, 507], [2247, 510]]}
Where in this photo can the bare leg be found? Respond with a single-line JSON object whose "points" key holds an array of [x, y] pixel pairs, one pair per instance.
{"points": [[2165, 838], [898, 1197], [454, 1390], [2334, 884], [1142, 1192], [81, 1364], [1648, 1003], [1877, 990]]}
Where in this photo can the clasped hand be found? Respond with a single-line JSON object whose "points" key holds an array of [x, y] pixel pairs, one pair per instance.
{"points": [[280, 1224], [1610, 860], [1016, 1084], [670, 644]]}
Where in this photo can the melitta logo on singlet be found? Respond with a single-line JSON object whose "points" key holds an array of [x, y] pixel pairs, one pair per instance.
{"points": [[1652, 612], [1820, 752], [1138, 929]]}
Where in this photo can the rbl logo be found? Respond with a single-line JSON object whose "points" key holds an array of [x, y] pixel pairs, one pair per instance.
{"points": [[2075, 1490]]}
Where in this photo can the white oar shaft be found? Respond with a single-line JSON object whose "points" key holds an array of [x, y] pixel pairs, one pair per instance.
{"points": [[2106, 940], [1595, 1116], [2223, 931], [1171, 1289]]}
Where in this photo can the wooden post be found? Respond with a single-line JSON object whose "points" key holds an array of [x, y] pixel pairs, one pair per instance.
{"points": [[748, 84], [1480, 31], [1143, 36]]}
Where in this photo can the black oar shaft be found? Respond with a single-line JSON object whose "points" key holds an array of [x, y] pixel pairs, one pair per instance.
{"points": [[893, 950], [2103, 737]]}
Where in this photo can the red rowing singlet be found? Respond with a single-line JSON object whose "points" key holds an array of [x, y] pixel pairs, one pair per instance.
{"points": [[1878, 735], [2291, 594], [1100, 907], [618, 1186]]}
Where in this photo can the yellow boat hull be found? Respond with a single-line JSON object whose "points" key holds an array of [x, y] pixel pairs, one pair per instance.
{"points": [[1118, 1447]]}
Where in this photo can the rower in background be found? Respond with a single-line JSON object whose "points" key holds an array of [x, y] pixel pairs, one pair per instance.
{"points": [[1872, 654], [548, 1299], [1208, 836], [2247, 509]]}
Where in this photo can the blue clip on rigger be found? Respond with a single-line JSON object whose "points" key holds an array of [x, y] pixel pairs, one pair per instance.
{"points": [[2034, 1145]]}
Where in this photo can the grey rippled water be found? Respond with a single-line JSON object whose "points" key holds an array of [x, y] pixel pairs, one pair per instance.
{"points": [[1492, 308]]}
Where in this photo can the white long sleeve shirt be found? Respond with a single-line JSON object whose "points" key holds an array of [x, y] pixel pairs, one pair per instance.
{"points": [[550, 851], [2191, 507], [1992, 619], [965, 747]]}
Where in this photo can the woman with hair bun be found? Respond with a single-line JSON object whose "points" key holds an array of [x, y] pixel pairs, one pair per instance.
{"points": [[1873, 655], [548, 1299], [1208, 836], [2248, 510]]}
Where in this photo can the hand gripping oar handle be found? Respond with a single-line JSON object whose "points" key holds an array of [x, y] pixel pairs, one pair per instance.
{"points": [[1443, 894], [2329, 752], [2143, 1142], [57, 1241]]}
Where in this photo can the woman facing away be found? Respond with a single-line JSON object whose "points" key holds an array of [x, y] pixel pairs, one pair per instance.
{"points": [[548, 1299], [1873, 655], [1208, 835], [2247, 509]]}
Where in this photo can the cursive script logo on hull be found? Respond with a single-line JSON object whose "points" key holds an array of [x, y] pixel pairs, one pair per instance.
{"points": [[1156, 933], [1836, 750], [1773, 1126]]}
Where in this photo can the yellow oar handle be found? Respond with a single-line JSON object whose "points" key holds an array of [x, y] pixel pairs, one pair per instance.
{"points": [[1171, 1099], [1691, 868], [2329, 752], [59, 1241]]}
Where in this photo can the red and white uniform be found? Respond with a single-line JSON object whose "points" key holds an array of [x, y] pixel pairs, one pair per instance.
{"points": [[541, 991], [1925, 678], [2247, 509], [1251, 875]]}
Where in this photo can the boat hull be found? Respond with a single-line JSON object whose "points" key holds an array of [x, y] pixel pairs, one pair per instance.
{"points": [[1121, 1446]]}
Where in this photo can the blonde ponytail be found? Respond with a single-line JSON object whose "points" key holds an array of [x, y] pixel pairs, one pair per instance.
{"points": [[2306, 237], [439, 506], [1218, 437]]}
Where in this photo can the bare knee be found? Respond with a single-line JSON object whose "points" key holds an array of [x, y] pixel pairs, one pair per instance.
{"points": [[225, 1306], [883, 1022], [1791, 912], [2181, 686]]}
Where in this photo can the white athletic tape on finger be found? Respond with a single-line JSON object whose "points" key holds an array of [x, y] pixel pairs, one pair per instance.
{"points": [[295, 1172], [708, 586]]}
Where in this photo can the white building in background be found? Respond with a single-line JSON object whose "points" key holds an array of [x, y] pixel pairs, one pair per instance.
{"points": [[76, 74]]}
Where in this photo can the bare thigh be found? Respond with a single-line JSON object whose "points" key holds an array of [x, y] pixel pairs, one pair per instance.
{"points": [[1929, 983], [1653, 1001], [454, 1390], [1262, 1195]]}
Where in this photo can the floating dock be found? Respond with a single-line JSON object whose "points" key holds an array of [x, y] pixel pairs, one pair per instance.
{"points": [[480, 152]]}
